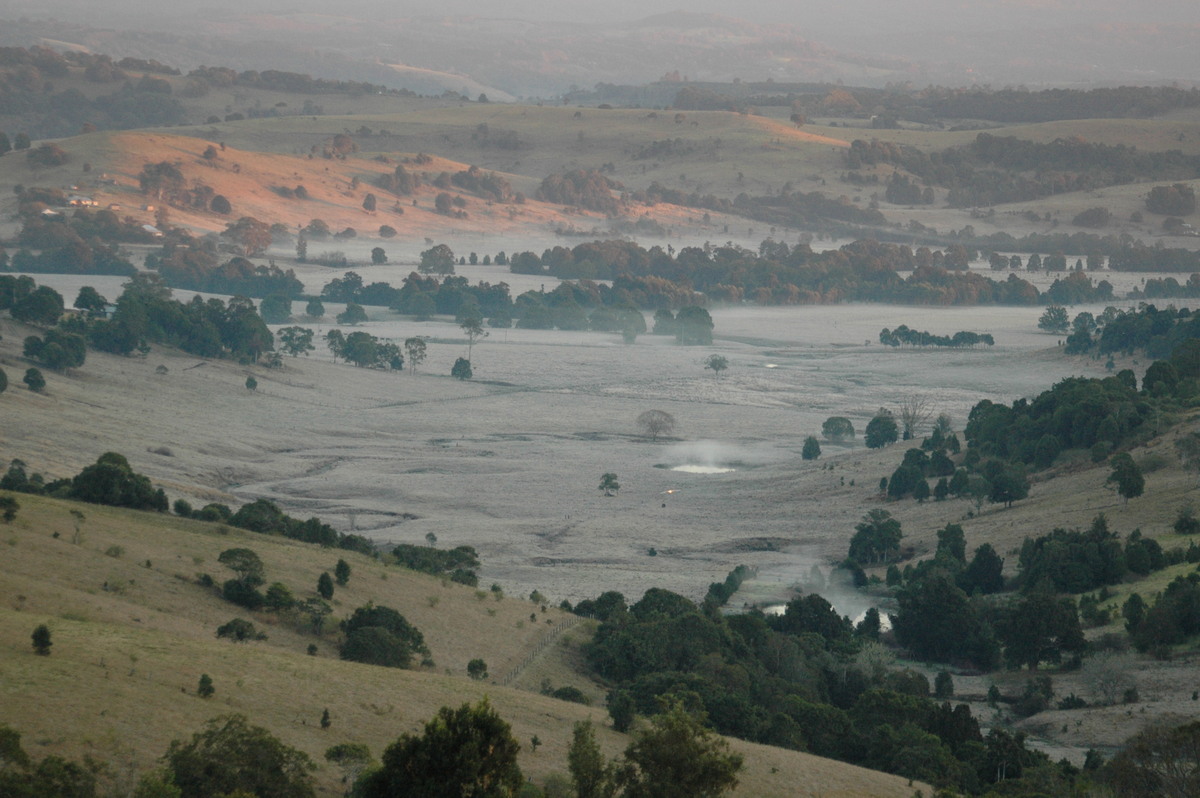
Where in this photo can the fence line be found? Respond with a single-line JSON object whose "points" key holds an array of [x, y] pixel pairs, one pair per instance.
{"points": [[546, 640]]}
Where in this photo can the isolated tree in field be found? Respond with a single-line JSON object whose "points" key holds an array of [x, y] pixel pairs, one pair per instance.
{"points": [[811, 450], [415, 350], [325, 586], [315, 308], [353, 314], [837, 428], [369, 203], [881, 430], [34, 380], [461, 369], [220, 204], [1054, 320], [1127, 477], [239, 630], [655, 423], [296, 341], [609, 484], [477, 669], [341, 573], [230, 756], [8, 509], [41, 640], [378, 256], [717, 363], [205, 688], [876, 539], [468, 752], [437, 260], [472, 327], [3, 381], [251, 383], [1008, 484], [677, 756], [915, 411]]}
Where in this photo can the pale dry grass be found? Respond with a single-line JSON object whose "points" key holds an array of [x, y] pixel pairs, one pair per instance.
{"points": [[120, 681]]}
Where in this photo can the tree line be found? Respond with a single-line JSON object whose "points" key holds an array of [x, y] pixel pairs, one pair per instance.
{"points": [[998, 169]]}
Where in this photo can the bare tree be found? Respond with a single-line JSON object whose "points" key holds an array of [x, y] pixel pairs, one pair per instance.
{"points": [[472, 325], [915, 411], [1110, 675], [655, 423]]}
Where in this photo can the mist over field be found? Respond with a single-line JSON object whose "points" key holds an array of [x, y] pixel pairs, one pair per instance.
{"points": [[546, 48], [819, 383]]}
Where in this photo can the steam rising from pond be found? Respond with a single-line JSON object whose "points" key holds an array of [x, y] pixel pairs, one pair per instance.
{"points": [[712, 457]]}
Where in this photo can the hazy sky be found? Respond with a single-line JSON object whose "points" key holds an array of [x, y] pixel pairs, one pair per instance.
{"points": [[871, 16]]}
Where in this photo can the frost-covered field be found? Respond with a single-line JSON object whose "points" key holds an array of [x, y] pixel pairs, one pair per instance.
{"points": [[510, 462]]}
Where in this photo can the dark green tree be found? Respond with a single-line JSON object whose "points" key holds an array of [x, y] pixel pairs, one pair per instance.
{"points": [[276, 309], [1040, 628], [353, 314], [1055, 320], [239, 630], [1161, 760], [325, 586], [881, 430], [693, 326], [591, 776], [315, 308], [43, 307], [3, 381], [609, 484], [90, 301], [437, 260], [229, 755], [985, 572], [1127, 476], [952, 544], [245, 564], [477, 669], [876, 538], [341, 573], [677, 757], [717, 363], [41, 640], [461, 369], [837, 428], [621, 708], [937, 621], [8, 509], [811, 450], [296, 341], [34, 380], [112, 481], [468, 752], [205, 688], [1008, 484]]}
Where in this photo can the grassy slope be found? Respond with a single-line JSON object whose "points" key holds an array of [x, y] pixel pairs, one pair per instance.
{"points": [[120, 682]]}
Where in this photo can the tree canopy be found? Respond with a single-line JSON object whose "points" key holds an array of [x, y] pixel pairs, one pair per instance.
{"points": [[467, 752]]}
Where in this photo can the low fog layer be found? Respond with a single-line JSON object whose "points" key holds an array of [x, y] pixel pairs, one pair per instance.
{"points": [[863, 42]]}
